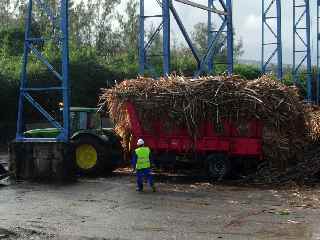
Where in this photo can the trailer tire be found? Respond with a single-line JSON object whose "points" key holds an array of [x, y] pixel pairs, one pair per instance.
{"points": [[219, 166], [90, 155]]}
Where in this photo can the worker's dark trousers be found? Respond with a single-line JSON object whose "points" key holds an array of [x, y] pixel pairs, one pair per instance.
{"points": [[144, 173]]}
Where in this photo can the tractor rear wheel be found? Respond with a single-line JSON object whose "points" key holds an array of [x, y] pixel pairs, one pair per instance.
{"points": [[219, 166], [90, 155]]}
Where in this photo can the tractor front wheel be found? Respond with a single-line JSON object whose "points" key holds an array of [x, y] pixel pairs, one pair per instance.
{"points": [[90, 154]]}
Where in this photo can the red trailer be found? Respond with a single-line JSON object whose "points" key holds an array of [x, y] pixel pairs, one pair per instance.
{"points": [[217, 146]]}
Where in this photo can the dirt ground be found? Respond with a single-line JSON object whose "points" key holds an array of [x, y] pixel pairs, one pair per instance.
{"points": [[182, 208]]}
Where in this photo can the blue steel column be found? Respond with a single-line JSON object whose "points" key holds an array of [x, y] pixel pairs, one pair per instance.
{"points": [[294, 77], [141, 39], [65, 68], [229, 37], [210, 35], [318, 51], [220, 37], [263, 69], [279, 41], [166, 36], [267, 7], [309, 64], [31, 45], [23, 79], [226, 34], [301, 34]]}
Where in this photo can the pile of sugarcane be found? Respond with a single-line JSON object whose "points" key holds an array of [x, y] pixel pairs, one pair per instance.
{"points": [[312, 115], [187, 102], [305, 171]]}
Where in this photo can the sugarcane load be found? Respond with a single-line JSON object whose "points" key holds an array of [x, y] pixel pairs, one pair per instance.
{"points": [[218, 118]]}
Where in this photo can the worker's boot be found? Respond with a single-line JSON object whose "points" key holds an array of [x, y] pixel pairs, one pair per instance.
{"points": [[153, 188], [139, 189]]}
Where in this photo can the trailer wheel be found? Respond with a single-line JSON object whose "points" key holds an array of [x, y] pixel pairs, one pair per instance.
{"points": [[218, 166], [90, 155]]}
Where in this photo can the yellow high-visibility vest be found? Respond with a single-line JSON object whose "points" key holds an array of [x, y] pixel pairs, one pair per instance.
{"points": [[143, 158]]}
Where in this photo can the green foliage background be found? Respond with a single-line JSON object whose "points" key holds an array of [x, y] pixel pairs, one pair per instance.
{"points": [[103, 49]]}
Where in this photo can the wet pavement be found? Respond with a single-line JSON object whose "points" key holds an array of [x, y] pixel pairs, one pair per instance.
{"points": [[110, 208]]}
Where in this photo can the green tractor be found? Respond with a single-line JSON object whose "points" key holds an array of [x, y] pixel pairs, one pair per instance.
{"points": [[96, 147]]}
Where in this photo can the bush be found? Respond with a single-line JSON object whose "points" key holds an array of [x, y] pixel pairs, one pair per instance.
{"points": [[247, 71]]}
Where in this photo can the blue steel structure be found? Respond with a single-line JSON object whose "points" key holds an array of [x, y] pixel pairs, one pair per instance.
{"points": [[301, 44], [271, 10], [214, 43], [60, 26], [216, 19], [318, 51]]}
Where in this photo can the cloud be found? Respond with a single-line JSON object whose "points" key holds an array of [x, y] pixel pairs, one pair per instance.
{"points": [[252, 22]]}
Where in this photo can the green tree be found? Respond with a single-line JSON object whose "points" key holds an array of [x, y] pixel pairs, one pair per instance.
{"points": [[107, 39], [200, 38], [12, 40], [129, 29]]}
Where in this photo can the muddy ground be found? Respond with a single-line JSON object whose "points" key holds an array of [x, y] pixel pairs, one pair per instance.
{"points": [[182, 208]]}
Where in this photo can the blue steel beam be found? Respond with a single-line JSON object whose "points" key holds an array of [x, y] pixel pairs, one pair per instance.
{"points": [[203, 7], [142, 57], [211, 50], [166, 36], [39, 55], [143, 45], [229, 37], [223, 4], [185, 34], [64, 13], [42, 111], [167, 7], [23, 78], [217, 36], [279, 41], [271, 10], [214, 36], [301, 45], [153, 36], [318, 52], [30, 46], [210, 34]]}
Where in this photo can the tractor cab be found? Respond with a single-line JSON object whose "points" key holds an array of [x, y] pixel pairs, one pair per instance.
{"points": [[88, 119], [81, 120], [84, 119]]}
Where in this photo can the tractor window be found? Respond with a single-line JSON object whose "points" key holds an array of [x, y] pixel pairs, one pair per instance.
{"points": [[93, 121], [83, 120], [74, 121]]}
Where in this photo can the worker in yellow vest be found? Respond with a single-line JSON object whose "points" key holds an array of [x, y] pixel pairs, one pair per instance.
{"points": [[141, 163]]}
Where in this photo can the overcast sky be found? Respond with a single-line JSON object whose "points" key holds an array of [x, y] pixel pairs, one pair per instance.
{"points": [[247, 24]]}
